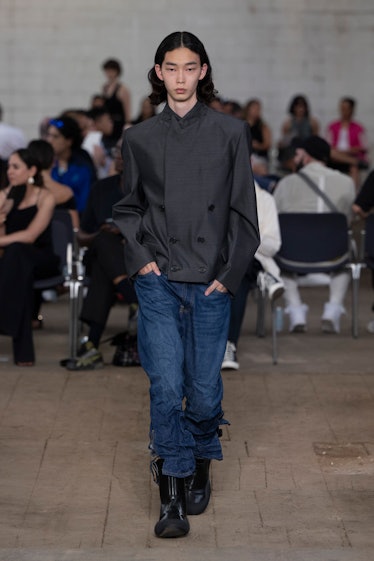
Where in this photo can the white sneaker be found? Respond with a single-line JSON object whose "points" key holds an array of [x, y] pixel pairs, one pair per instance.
{"points": [[229, 360], [297, 318], [270, 284], [370, 326], [331, 317]]}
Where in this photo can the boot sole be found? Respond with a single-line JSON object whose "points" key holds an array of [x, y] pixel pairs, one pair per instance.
{"points": [[172, 529]]}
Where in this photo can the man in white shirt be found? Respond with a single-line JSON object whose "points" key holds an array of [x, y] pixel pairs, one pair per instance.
{"points": [[293, 194]]}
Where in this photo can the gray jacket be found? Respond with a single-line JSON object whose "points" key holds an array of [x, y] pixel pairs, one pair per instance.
{"points": [[190, 202]]}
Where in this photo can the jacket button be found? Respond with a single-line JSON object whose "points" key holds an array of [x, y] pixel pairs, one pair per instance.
{"points": [[162, 208], [211, 207], [172, 240], [202, 269], [174, 269], [201, 240]]}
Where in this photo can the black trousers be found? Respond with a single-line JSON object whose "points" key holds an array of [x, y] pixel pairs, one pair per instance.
{"points": [[20, 265], [239, 302], [104, 262]]}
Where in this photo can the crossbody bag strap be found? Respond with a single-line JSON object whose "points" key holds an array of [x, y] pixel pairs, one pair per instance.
{"points": [[318, 191]]}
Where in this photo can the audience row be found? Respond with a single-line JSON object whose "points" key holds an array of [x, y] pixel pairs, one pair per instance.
{"points": [[75, 165]]}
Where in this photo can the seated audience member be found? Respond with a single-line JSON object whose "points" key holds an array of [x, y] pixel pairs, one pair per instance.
{"points": [[261, 144], [364, 201], [217, 104], [97, 101], [348, 138], [63, 194], [260, 131], [101, 152], [293, 194], [64, 199], [27, 250], [264, 272], [147, 110], [299, 124], [91, 138], [73, 166], [96, 127], [363, 205], [11, 138], [233, 108], [104, 260], [117, 97]]}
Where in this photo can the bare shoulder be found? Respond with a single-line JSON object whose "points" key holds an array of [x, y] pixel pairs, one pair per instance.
{"points": [[46, 198], [122, 90]]}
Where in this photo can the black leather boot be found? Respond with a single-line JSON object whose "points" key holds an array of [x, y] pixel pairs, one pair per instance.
{"points": [[198, 488], [173, 521]]}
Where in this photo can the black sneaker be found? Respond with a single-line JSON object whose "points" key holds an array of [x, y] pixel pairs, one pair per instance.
{"points": [[126, 353], [89, 358]]}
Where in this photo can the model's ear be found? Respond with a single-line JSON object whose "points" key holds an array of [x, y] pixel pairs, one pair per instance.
{"points": [[203, 71], [158, 72]]}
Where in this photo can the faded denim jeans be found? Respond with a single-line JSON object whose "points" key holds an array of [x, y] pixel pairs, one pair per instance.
{"points": [[182, 338]]}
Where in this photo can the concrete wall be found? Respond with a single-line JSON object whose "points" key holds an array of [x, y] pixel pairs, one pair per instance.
{"points": [[51, 51]]}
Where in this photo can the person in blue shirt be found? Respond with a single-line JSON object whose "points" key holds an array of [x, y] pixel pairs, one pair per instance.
{"points": [[73, 165]]}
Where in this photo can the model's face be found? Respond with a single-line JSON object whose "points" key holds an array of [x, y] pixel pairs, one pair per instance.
{"points": [[181, 71], [59, 143], [18, 172]]}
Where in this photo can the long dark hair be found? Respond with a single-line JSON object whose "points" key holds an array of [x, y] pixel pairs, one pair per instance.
{"points": [[205, 89], [296, 100], [43, 152], [30, 160]]}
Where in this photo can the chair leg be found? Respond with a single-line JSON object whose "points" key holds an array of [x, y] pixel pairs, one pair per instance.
{"points": [[261, 308], [75, 301], [356, 275], [274, 337]]}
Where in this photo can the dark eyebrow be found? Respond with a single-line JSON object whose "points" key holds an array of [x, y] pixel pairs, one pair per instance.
{"points": [[187, 63]]}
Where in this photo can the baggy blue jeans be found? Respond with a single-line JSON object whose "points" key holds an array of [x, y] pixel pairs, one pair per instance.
{"points": [[182, 337]]}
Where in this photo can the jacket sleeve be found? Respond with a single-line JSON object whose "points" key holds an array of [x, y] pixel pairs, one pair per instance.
{"points": [[129, 211], [243, 235]]}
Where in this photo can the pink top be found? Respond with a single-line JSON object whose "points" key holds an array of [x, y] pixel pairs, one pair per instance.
{"points": [[356, 136]]}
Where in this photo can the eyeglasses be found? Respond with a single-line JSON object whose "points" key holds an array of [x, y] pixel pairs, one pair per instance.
{"points": [[56, 123]]}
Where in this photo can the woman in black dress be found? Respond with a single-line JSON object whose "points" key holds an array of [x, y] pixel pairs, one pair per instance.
{"points": [[26, 209]]}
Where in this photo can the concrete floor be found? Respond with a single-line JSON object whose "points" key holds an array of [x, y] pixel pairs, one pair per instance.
{"points": [[297, 480]]}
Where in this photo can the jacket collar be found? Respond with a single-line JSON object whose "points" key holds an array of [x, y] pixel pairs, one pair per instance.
{"points": [[197, 110]]}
